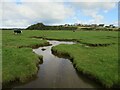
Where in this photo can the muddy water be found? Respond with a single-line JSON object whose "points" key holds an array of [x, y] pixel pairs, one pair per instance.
{"points": [[57, 72]]}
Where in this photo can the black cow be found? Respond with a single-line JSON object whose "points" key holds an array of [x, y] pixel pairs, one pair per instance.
{"points": [[17, 31]]}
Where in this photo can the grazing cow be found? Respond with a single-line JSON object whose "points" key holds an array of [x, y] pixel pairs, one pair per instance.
{"points": [[17, 31]]}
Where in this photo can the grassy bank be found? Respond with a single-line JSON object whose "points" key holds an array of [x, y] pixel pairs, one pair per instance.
{"points": [[19, 63], [99, 62]]}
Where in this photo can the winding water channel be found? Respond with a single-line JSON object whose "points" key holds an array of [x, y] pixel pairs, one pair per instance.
{"points": [[57, 72]]}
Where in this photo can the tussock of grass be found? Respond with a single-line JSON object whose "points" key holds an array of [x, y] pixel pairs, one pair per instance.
{"points": [[98, 63]]}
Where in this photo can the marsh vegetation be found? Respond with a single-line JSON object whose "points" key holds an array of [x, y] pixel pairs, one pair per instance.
{"points": [[95, 54]]}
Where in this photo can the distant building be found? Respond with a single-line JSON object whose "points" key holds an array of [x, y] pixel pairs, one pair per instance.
{"points": [[75, 24], [93, 25]]}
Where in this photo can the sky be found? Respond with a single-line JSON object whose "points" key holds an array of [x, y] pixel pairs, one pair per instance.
{"points": [[23, 13]]}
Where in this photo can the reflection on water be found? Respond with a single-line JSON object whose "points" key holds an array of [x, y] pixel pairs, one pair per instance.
{"points": [[57, 72]]}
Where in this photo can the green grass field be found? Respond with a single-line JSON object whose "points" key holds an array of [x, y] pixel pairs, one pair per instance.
{"points": [[19, 63], [98, 62]]}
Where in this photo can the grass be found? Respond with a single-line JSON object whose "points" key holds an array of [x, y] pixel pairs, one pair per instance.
{"points": [[19, 63], [11, 40], [98, 62], [82, 36]]}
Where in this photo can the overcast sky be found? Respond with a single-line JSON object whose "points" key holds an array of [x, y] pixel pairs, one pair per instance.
{"points": [[22, 13]]}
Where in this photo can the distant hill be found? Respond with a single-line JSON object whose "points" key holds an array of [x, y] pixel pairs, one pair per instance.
{"points": [[41, 26], [37, 26]]}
